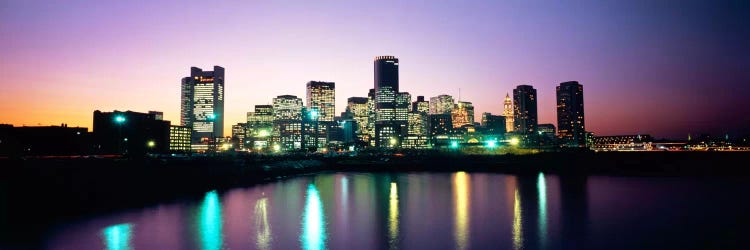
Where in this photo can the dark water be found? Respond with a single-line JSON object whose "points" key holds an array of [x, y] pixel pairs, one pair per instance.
{"points": [[436, 211]]}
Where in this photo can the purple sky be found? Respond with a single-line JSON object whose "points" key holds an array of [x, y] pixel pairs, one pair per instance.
{"points": [[667, 68]]}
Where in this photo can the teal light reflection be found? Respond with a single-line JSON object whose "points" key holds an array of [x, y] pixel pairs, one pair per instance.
{"points": [[117, 237], [541, 186], [313, 224], [210, 222]]}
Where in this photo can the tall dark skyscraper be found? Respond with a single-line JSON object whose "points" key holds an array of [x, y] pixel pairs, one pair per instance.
{"points": [[391, 106], [524, 112], [386, 72], [570, 119], [202, 103]]}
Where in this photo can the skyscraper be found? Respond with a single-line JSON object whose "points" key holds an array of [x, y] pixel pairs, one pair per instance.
{"points": [[570, 118], [287, 123], [420, 105], [525, 113], [391, 106], [386, 72], [508, 113], [202, 103], [463, 114], [442, 104], [321, 96], [357, 106]]}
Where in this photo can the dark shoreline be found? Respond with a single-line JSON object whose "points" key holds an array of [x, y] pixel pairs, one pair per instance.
{"points": [[39, 193]]}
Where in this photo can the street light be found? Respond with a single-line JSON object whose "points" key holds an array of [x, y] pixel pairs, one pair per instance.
{"points": [[514, 141], [151, 144], [491, 144], [454, 144]]}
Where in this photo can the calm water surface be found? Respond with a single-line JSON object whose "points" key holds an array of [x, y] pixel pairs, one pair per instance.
{"points": [[435, 211]]}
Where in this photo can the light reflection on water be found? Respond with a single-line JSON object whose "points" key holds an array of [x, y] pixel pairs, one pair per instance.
{"points": [[461, 190], [313, 223], [262, 227], [118, 236], [541, 185], [412, 211]]}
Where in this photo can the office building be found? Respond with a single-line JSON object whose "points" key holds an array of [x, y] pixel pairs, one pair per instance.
{"points": [[493, 124], [179, 139], [202, 104], [322, 97], [570, 116], [525, 110], [463, 114], [44, 140], [129, 132], [439, 124], [357, 108], [391, 106], [287, 127], [442, 104], [420, 105]]}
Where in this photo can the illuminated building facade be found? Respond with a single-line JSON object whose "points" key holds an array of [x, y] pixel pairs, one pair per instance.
{"points": [[179, 139], [322, 97], [391, 106], [570, 116], [287, 124], [622, 143], [525, 110], [463, 114], [357, 107], [202, 103], [420, 105], [259, 127], [508, 113], [417, 123], [442, 104], [239, 132]]}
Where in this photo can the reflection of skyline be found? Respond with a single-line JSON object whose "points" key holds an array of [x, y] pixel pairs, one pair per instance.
{"points": [[541, 185], [461, 191], [313, 222], [517, 230], [117, 237], [262, 227], [210, 222], [393, 216]]}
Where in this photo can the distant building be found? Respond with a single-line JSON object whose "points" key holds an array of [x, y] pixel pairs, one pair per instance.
{"points": [[525, 110], [442, 104], [322, 97], [202, 104], [420, 105], [238, 135], [508, 113], [622, 143], [417, 123], [546, 134], [493, 124], [570, 116], [357, 107], [416, 142], [439, 124], [179, 139], [158, 115], [44, 140], [463, 114], [386, 73], [287, 128], [130, 133], [259, 127]]}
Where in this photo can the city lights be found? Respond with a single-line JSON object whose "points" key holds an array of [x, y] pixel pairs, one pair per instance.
{"points": [[454, 144], [491, 144], [151, 144], [514, 141], [119, 118]]}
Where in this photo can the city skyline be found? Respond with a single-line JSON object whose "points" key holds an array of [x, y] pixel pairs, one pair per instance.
{"points": [[651, 83]]}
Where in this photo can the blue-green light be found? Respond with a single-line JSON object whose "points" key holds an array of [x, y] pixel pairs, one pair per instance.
{"points": [[454, 144], [120, 119], [313, 224], [211, 117], [117, 237], [314, 114], [491, 144], [541, 186], [209, 222]]}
